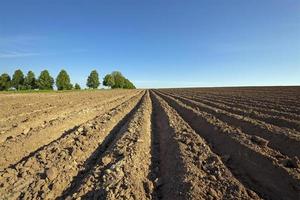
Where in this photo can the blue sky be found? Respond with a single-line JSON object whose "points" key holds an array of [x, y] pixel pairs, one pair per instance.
{"points": [[155, 43]]}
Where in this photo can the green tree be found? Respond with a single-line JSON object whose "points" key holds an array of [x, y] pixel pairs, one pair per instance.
{"points": [[93, 80], [18, 79], [77, 86], [63, 81], [5, 82], [30, 81], [45, 81], [119, 79], [128, 84], [108, 81]]}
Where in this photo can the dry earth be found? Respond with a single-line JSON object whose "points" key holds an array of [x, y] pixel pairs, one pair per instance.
{"points": [[208, 143]]}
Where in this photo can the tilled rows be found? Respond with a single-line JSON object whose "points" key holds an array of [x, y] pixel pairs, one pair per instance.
{"points": [[258, 97], [274, 119], [48, 171], [165, 144], [121, 168], [48, 130], [264, 157], [279, 118], [16, 119], [188, 169], [285, 140]]}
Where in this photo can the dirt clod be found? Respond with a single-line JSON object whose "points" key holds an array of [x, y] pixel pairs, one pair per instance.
{"points": [[106, 160], [260, 141], [25, 131], [51, 173]]}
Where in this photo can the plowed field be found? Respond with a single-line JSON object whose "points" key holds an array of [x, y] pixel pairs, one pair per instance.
{"points": [[208, 143]]}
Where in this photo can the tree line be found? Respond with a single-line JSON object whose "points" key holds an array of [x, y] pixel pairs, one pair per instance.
{"points": [[63, 82]]}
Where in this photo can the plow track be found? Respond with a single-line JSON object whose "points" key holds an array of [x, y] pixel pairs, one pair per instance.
{"points": [[246, 97], [200, 173], [255, 109], [49, 170], [116, 167], [258, 167], [210, 143], [286, 141], [272, 119], [44, 133]]}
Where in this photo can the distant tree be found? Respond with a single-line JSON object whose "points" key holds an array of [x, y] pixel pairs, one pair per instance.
{"points": [[5, 82], [45, 81], [63, 81], [77, 86], [18, 80], [119, 79], [93, 80], [30, 81], [108, 81], [128, 84]]}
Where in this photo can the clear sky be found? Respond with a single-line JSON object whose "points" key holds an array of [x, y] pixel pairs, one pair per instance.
{"points": [[155, 43]]}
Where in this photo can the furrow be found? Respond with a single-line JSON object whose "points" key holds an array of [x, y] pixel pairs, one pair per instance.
{"points": [[266, 104], [16, 105], [240, 105], [251, 163], [188, 169], [18, 127], [244, 106], [40, 136], [275, 120], [121, 167], [46, 173], [247, 103], [286, 141], [244, 100]]}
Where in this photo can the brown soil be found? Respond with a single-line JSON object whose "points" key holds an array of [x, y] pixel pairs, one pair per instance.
{"points": [[209, 143]]}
